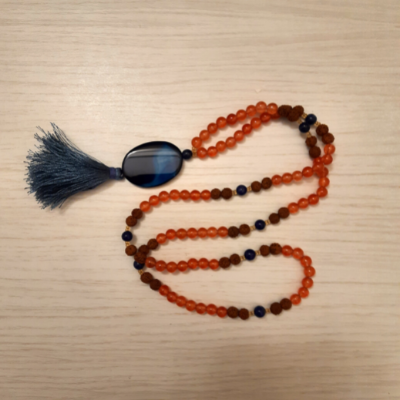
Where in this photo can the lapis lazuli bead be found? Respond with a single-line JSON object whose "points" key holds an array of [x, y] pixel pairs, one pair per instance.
{"points": [[187, 154], [152, 164], [250, 255], [311, 119], [127, 236], [138, 266], [241, 190], [304, 128], [259, 311], [260, 224]]}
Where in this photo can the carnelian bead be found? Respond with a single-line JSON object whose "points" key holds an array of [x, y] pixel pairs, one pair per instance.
{"points": [[295, 299], [313, 199], [205, 195], [322, 191], [190, 305], [318, 160], [293, 208], [197, 142], [221, 146], [211, 309], [303, 203], [185, 194], [230, 142], [202, 232], [303, 292], [214, 264], [275, 116], [183, 266], [171, 297], [181, 301], [329, 149], [307, 283], [164, 290], [203, 263], [305, 261], [154, 200], [171, 234], [297, 253], [327, 158], [221, 312], [255, 123], [192, 233], [231, 119], [308, 172], [241, 115], [202, 152], [164, 196], [161, 238], [150, 262], [265, 117], [287, 251], [324, 182], [145, 206], [212, 151], [195, 195], [297, 176], [318, 169], [221, 122], [181, 233], [222, 232], [287, 178], [193, 263], [172, 267], [309, 271], [272, 109], [261, 107], [204, 135], [212, 232], [212, 128], [200, 308], [238, 136], [246, 128], [161, 265], [175, 195], [251, 111], [276, 180]]}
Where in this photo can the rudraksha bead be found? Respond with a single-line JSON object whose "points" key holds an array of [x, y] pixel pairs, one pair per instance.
{"points": [[144, 249], [256, 186], [155, 284], [275, 248], [146, 277], [233, 312], [283, 212], [244, 314], [140, 258], [130, 221], [284, 111], [233, 232], [328, 138], [266, 183], [244, 229], [215, 194], [131, 250], [235, 259], [275, 308], [224, 262], [322, 130], [311, 141], [137, 213], [152, 244], [314, 152], [274, 218], [226, 193], [264, 250], [286, 304]]}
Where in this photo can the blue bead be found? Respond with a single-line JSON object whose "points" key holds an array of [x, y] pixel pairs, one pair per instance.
{"points": [[260, 224], [152, 164], [259, 311], [304, 128], [241, 190], [187, 154], [249, 254], [138, 266], [311, 119], [127, 236]]}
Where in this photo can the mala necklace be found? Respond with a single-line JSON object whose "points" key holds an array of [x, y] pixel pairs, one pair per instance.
{"points": [[259, 114]]}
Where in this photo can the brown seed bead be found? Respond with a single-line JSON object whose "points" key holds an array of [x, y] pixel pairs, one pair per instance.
{"points": [[264, 250], [311, 141], [130, 221], [256, 186], [130, 250], [235, 259], [140, 258], [328, 138], [224, 262], [286, 304], [137, 213], [266, 183], [155, 284], [152, 244], [274, 218], [296, 113], [215, 194], [147, 277], [233, 232], [299, 109], [244, 314], [226, 193], [314, 152], [284, 111], [275, 249], [144, 249], [275, 308], [322, 130], [244, 229], [233, 312], [283, 212]]}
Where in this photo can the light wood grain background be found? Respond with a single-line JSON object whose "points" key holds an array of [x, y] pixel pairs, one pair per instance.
{"points": [[75, 321]]}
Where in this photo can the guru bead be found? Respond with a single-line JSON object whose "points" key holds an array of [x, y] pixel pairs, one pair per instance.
{"points": [[259, 311], [250, 255], [127, 236]]}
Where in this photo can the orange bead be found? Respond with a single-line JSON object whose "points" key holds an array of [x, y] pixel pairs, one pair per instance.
{"points": [[287, 251], [317, 161], [183, 266], [154, 200], [161, 238], [272, 109], [192, 233], [318, 169], [171, 297], [164, 196], [287, 178], [324, 182], [195, 195], [204, 135], [307, 283], [303, 203], [181, 233], [212, 151], [297, 176], [175, 195], [193, 263], [200, 308], [203, 263], [322, 192], [222, 232], [327, 159], [221, 146], [214, 264], [255, 123], [185, 194], [246, 128], [303, 292], [309, 271], [190, 305], [211, 309], [307, 172], [212, 232], [164, 290], [297, 253], [295, 299], [202, 232], [293, 208], [181, 301], [172, 267], [265, 118], [231, 119], [329, 149], [205, 195], [276, 180], [202, 152], [150, 262], [305, 261], [238, 136], [171, 234], [145, 206], [313, 199], [241, 115], [197, 142], [275, 116], [261, 107], [212, 128], [251, 111], [230, 142], [161, 265], [221, 122], [221, 312]]}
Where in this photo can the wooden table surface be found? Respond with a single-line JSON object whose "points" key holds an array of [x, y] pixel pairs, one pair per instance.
{"points": [[76, 322]]}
